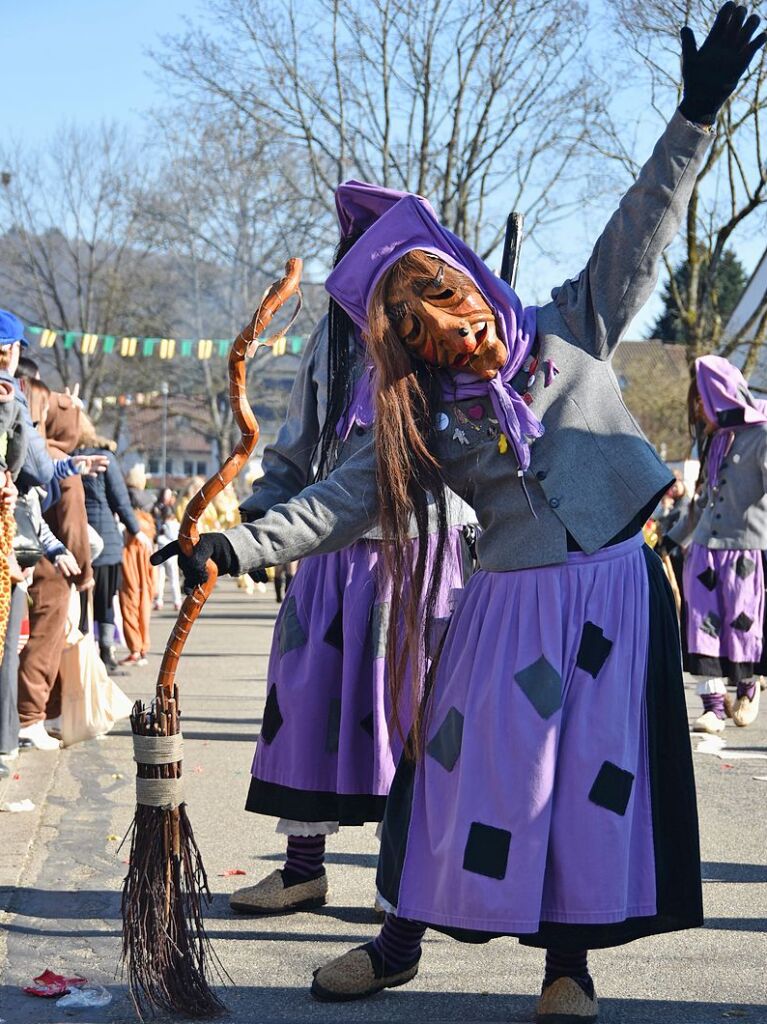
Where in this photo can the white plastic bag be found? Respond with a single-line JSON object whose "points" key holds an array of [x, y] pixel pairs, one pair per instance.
{"points": [[91, 702]]}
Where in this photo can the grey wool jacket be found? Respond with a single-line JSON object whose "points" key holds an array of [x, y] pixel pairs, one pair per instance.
{"points": [[733, 514], [593, 471], [288, 463]]}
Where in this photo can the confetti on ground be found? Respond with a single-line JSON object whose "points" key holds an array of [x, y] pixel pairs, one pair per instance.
{"points": [[743, 755], [117, 775], [49, 985], [16, 776], [198, 769], [17, 806], [112, 839], [231, 871], [759, 778]]}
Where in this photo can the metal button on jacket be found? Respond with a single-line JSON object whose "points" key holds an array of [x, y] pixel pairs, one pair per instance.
{"points": [[541, 474], [359, 431], [554, 502]]}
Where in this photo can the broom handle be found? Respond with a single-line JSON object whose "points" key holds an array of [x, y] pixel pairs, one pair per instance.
{"points": [[189, 534]]}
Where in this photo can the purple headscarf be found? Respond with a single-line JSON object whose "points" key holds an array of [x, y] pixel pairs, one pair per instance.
{"points": [[410, 224], [727, 402]]}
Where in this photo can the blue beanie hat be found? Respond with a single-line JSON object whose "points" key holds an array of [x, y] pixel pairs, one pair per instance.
{"points": [[11, 329]]}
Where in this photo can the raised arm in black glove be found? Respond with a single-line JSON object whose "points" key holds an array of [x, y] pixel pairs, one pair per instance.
{"points": [[213, 546], [711, 74]]}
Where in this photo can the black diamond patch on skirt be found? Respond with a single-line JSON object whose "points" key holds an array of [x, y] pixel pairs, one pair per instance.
{"points": [[742, 623], [487, 850], [445, 744], [334, 725], [708, 578], [291, 631], [335, 631], [367, 724], [273, 719], [594, 649], [612, 788], [744, 567], [542, 685], [712, 624]]}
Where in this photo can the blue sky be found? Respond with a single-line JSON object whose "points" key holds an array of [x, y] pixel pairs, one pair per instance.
{"points": [[86, 61], [79, 60]]}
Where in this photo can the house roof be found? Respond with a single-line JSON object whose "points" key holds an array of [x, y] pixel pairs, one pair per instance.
{"points": [[751, 298]]}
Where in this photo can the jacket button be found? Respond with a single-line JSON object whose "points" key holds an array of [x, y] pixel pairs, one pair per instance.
{"points": [[718, 515], [722, 498], [554, 502], [359, 431], [714, 533], [541, 474]]}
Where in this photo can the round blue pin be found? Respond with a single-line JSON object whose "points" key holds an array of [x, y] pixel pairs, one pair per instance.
{"points": [[442, 422]]}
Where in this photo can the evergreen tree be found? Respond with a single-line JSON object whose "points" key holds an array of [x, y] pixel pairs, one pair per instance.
{"points": [[729, 284]]}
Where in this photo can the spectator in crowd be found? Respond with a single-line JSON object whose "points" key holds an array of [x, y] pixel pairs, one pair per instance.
{"points": [[283, 575], [106, 497], [167, 527], [136, 587], [50, 592]]}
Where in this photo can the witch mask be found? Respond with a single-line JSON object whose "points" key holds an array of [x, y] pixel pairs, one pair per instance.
{"points": [[441, 316]]}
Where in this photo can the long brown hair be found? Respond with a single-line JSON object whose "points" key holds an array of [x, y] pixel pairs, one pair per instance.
{"points": [[697, 430], [407, 471]]}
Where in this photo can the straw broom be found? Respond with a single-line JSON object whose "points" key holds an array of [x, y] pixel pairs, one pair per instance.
{"points": [[165, 948]]}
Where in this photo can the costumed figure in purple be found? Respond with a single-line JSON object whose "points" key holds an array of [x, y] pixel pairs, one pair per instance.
{"points": [[546, 791], [724, 576], [328, 746]]}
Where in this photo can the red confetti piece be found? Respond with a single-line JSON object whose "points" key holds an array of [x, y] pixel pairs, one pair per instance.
{"points": [[16, 776], [49, 985], [725, 767], [198, 769], [231, 871]]}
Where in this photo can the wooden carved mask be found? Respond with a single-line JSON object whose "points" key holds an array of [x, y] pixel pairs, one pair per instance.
{"points": [[441, 316]]}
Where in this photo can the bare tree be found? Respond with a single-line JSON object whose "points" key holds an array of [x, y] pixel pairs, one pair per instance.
{"points": [[480, 105], [729, 200], [218, 212], [75, 256]]}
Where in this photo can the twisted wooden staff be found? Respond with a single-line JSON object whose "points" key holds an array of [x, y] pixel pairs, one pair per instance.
{"points": [[164, 942]]}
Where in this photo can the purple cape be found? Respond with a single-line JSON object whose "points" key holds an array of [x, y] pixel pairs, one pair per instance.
{"points": [[727, 402]]}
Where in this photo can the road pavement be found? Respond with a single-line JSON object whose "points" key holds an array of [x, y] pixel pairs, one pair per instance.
{"points": [[61, 869]]}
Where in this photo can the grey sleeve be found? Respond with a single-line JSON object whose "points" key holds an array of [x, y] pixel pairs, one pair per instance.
{"points": [[327, 516], [622, 271], [287, 462], [682, 531], [38, 465]]}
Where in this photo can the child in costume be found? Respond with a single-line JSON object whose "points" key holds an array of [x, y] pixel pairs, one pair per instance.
{"points": [[550, 795], [327, 750], [724, 566]]}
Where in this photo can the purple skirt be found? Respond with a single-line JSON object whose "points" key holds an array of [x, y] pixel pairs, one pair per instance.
{"points": [[555, 800], [326, 752], [724, 612]]}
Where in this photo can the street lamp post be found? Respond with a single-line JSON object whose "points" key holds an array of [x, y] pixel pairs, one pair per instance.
{"points": [[164, 390]]}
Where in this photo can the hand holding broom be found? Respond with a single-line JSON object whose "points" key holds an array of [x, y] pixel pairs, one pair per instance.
{"points": [[164, 942]]}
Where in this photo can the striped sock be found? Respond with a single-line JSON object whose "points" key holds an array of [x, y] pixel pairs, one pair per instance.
{"points": [[569, 965], [305, 859], [714, 702], [399, 943]]}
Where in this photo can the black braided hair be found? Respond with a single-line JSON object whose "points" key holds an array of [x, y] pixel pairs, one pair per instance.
{"points": [[340, 376]]}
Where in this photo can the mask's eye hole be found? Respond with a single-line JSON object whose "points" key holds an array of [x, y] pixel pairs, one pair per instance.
{"points": [[415, 330], [446, 293]]}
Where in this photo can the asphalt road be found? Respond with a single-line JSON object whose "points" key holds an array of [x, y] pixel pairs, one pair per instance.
{"points": [[61, 872]]}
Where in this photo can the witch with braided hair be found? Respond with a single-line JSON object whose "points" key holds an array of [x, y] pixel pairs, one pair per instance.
{"points": [[546, 790]]}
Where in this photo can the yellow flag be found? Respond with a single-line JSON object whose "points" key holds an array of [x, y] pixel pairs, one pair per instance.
{"points": [[47, 339], [88, 344], [280, 346], [204, 348], [167, 348], [128, 346]]}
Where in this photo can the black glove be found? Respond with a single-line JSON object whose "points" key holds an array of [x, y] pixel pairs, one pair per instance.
{"points": [[711, 74], [250, 515], [210, 545]]}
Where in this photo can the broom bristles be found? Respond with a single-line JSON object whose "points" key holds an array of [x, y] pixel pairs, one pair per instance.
{"points": [[165, 947]]}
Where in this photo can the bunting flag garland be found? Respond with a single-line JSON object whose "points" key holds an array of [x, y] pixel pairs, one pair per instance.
{"points": [[162, 348]]}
